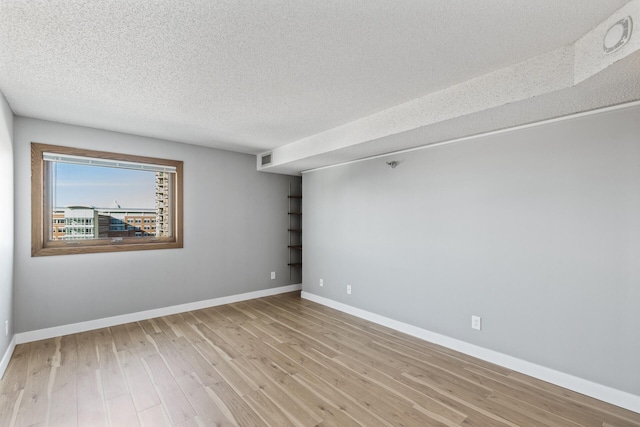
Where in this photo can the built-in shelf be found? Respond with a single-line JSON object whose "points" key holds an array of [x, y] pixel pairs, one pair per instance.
{"points": [[295, 231]]}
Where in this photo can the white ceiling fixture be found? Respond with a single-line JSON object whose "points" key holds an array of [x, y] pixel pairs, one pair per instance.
{"points": [[618, 35], [312, 82]]}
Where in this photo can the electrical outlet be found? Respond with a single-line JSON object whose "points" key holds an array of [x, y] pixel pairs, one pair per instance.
{"points": [[321, 283], [476, 322], [273, 275], [6, 328], [348, 289]]}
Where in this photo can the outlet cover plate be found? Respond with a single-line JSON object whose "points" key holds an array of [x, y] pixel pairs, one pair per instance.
{"points": [[476, 322]]}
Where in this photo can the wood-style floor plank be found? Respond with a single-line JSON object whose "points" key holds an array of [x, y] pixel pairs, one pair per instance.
{"points": [[36, 399], [275, 361], [154, 417], [63, 410], [200, 399], [12, 385], [121, 411], [91, 404], [141, 388]]}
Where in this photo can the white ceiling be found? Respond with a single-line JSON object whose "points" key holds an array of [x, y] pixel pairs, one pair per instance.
{"points": [[258, 75]]}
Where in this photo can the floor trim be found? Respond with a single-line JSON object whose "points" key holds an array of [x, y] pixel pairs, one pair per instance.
{"points": [[598, 391], [7, 356], [57, 331]]}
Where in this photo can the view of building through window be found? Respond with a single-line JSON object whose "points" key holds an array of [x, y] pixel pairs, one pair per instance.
{"points": [[94, 202]]}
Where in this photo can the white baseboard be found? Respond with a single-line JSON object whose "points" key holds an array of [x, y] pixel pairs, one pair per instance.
{"points": [[598, 391], [57, 331], [7, 356]]}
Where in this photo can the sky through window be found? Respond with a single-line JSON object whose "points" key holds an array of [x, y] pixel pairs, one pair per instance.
{"points": [[81, 185]]}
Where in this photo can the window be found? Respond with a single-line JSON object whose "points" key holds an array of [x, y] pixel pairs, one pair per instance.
{"points": [[79, 189]]}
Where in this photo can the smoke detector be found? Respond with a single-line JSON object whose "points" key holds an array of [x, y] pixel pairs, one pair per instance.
{"points": [[617, 35]]}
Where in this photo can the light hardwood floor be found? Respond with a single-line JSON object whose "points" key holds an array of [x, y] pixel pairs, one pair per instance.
{"points": [[276, 361]]}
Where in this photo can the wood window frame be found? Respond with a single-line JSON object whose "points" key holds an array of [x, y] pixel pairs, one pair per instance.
{"points": [[41, 245]]}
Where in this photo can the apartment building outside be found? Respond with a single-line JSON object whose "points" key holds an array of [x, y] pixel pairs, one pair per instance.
{"points": [[163, 203], [88, 222]]}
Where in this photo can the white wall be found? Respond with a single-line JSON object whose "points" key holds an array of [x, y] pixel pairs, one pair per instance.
{"points": [[235, 234], [6, 219], [537, 230]]}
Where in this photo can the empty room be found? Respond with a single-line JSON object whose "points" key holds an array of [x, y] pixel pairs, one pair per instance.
{"points": [[320, 213]]}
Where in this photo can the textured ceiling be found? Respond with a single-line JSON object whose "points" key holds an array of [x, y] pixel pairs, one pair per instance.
{"points": [[253, 76]]}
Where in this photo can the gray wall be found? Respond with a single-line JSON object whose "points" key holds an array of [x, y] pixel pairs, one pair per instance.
{"points": [[6, 219], [235, 234], [536, 230]]}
